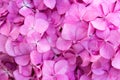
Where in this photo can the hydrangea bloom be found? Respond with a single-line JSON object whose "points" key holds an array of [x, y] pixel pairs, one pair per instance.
{"points": [[59, 39]]}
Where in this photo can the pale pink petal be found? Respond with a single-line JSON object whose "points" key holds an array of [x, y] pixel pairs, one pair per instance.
{"points": [[48, 67], [68, 32], [36, 58], [99, 24], [116, 61], [114, 37], [22, 60], [29, 20], [50, 3], [41, 25], [103, 34], [63, 44], [62, 6], [89, 15], [9, 47], [47, 77], [24, 11], [114, 18], [43, 46], [107, 51], [61, 67], [24, 30]]}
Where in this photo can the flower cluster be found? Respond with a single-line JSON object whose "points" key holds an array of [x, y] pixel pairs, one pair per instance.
{"points": [[59, 39]]}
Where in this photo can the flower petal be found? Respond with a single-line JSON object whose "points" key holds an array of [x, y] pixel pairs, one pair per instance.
{"points": [[61, 67], [22, 60], [35, 57], [41, 25], [43, 46], [50, 3], [48, 67], [62, 6], [116, 61], [99, 24], [107, 51], [63, 44]]}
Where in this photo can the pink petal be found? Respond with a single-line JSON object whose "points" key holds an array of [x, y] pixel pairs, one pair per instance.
{"points": [[89, 15], [84, 77], [48, 67], [116, 61], [85, 59], [22, 60], [103, 34], [107, 51], [114, 37], [25, 70], [24, 11], [29, 21], [41, 25], [99, 24], [36, 58], [24, 30], [62, 77], [3, 75], [43, 46], [114, 18], [61, 67], [68, 32], [63, 44], [18, 76], [14, 33], [5, 29], [70, 57], [9, 47], [50, 3], [62, 6], [3, 40]]}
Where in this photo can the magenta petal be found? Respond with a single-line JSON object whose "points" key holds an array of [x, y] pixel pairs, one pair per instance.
{"points": [[22, 60], [107, 51], [62, 6], [50, 3], [63, 44], [59, 68], [3, 75], [84, 77]]}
